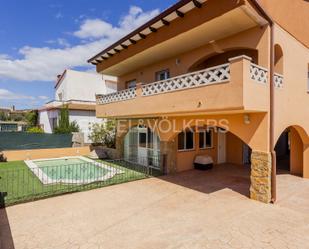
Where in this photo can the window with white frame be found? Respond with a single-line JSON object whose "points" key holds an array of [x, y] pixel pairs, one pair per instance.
{"points": [[186, 140], [206, 139], [162, 75]]}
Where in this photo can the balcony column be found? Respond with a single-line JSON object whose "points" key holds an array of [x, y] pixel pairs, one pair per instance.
{"points": [[139, 89], [240, 69], [168, 156], [122, 130]]}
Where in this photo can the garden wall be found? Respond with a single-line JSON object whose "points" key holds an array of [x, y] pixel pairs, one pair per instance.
{"points": [[17, 155]]}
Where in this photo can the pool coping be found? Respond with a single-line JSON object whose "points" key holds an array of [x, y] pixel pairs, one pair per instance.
{"points": [[46, 180]]}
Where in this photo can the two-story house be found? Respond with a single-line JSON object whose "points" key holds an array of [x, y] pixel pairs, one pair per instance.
{"points": [[227, 79], [70, 91]]}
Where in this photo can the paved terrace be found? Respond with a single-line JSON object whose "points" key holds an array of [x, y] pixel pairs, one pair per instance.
{"points": [[192, 210]]}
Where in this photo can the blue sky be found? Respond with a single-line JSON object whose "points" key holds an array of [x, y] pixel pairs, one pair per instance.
{"points": [[41, 38]]}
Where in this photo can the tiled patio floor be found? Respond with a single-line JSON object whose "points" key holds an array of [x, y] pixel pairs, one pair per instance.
{"points": [[193, 209]]}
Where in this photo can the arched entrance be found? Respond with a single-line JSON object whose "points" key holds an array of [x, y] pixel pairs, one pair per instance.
{"points": [[289, 151], [142, 146]]}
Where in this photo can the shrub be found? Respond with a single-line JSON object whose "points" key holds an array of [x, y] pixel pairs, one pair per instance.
{"points": [[104, 133], [64, 125], [35, 130], [2, 157]]}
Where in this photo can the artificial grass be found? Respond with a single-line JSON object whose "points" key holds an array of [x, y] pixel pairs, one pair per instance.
{"points": [[19, 184]]}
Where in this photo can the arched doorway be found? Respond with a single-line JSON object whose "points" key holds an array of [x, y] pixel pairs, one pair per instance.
{"points": [[142, 146], [289, 152], [222, 58]]}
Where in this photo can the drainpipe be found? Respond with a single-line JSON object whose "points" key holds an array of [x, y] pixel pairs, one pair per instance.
{"points": [[271, 117]]}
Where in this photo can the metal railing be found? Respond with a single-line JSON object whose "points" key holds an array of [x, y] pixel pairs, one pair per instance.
{"points": [[24, 184]]}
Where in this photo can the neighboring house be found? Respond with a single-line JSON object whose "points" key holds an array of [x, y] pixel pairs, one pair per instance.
{"points": [[226, 68], [5, 110], [8, 126], [14, 114], [76, 90]]}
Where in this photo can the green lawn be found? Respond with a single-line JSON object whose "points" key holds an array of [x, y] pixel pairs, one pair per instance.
{"points": [[22, 185]]}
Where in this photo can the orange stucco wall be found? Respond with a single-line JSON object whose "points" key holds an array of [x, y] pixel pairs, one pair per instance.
{"points": [[17, 155], [185, 159], [255, 133], [291, 100], [292, 15], [234, 149]]}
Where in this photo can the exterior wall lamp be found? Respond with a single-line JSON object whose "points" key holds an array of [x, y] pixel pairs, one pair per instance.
{"points": [[247, 119]]}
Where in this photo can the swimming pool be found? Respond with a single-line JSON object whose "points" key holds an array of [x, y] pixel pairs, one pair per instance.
{"points": [[71, 170]]}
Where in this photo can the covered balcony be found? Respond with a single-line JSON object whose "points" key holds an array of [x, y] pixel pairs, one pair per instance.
{"points": [[236, 86]]}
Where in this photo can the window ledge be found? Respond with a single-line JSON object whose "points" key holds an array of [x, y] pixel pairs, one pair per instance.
{"points": [[186, 150], [207, 148]]}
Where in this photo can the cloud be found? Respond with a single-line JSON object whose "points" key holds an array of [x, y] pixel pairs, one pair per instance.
{"points": [[4, 56], [59, 15], [43, 97], [94, 28], [44, 63], [97, 28], [60, 41], [8, 95]]}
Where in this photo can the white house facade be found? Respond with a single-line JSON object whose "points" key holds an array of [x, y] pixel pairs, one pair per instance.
{"points": [[76, 90]]}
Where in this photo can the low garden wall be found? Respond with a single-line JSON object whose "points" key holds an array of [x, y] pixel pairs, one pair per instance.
{"points": [[17, 155]]}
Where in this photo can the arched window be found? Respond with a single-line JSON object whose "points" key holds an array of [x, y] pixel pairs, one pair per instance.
{"points": [[278, 59]]}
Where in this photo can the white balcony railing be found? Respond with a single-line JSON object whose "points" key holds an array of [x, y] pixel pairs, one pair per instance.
{"points": [[117, 96], [204, 77], [213, 75], [278, 80], [258, 73]]}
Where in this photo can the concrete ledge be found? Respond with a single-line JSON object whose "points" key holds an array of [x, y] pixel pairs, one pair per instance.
{"points": [[20, 155]]}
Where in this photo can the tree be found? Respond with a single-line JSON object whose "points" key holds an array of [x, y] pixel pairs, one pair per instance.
{"points": [[64, 125], [4, 116], [104, 133], [32, 118]]}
